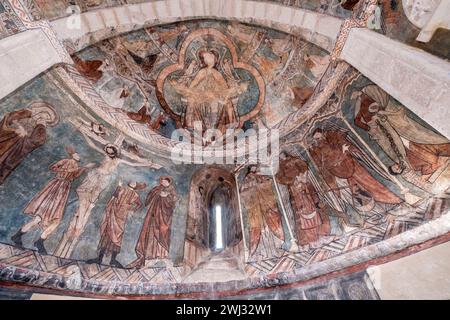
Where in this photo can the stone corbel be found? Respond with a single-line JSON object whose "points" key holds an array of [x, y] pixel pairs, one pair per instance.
{"points": [[26, 18], [439, 19], [358, 20]]}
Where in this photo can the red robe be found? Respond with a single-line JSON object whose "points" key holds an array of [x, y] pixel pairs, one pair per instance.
{"points": [[349, 4], [13, 148], [310, 224], [124, 201], [333, 162], [89, 68], [262, 208], [50, 203], [364, 116], [154, 239]]}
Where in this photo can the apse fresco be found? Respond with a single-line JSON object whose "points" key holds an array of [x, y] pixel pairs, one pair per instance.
{"points": [[91, 203], [411, 150], [367, 171], [73, 182], [216, 74]]}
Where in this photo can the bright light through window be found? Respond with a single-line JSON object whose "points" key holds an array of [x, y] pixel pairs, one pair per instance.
{"points": [[219, 233]]}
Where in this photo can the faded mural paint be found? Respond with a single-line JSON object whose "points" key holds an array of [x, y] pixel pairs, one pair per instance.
{"points": [[35, 167], [95, 205], [261, 70]]}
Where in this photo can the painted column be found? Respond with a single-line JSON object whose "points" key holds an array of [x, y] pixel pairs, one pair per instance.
{"points": [[293, 245], [246, 251]]}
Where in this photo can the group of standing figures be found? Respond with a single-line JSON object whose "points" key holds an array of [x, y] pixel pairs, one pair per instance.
{"points": [[154, 238], [345, 184], [23, 131], [48, 206], [340, 179]]}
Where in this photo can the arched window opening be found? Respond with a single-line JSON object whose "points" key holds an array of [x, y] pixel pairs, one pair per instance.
{"points": [[213, 221], [218, 217]]}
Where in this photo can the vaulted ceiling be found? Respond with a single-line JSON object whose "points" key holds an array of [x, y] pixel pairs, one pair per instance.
{"points": [[103, 189]]}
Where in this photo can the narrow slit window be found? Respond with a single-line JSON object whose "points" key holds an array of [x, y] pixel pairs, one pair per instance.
{"points": [[219, 231]]}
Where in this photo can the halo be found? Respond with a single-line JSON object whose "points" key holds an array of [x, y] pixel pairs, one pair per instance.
{"points": [[113, 146], [170, 179], [43, 107], [137, 185], [237, 64]]}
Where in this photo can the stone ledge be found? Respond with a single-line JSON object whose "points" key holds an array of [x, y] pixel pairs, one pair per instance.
{"points": [[24, 56], [415, 240]]}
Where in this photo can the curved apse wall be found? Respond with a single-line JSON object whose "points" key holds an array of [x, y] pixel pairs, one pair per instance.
{"points": [[89, 209]]}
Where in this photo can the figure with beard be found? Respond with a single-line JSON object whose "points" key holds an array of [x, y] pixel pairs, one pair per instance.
{"points": [[154, 238], [311, 225], [332, 153], [209, 96]]}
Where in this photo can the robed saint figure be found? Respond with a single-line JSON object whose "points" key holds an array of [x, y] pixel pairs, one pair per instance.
{"points": [[154, 239]]}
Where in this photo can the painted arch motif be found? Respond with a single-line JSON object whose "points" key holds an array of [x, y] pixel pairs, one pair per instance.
{"points": [[225, 84]]}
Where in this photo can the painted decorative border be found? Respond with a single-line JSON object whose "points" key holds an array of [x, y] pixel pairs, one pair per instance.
{"points": [[359, 20], [236, 63], [73, 279], [28, 267]]}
